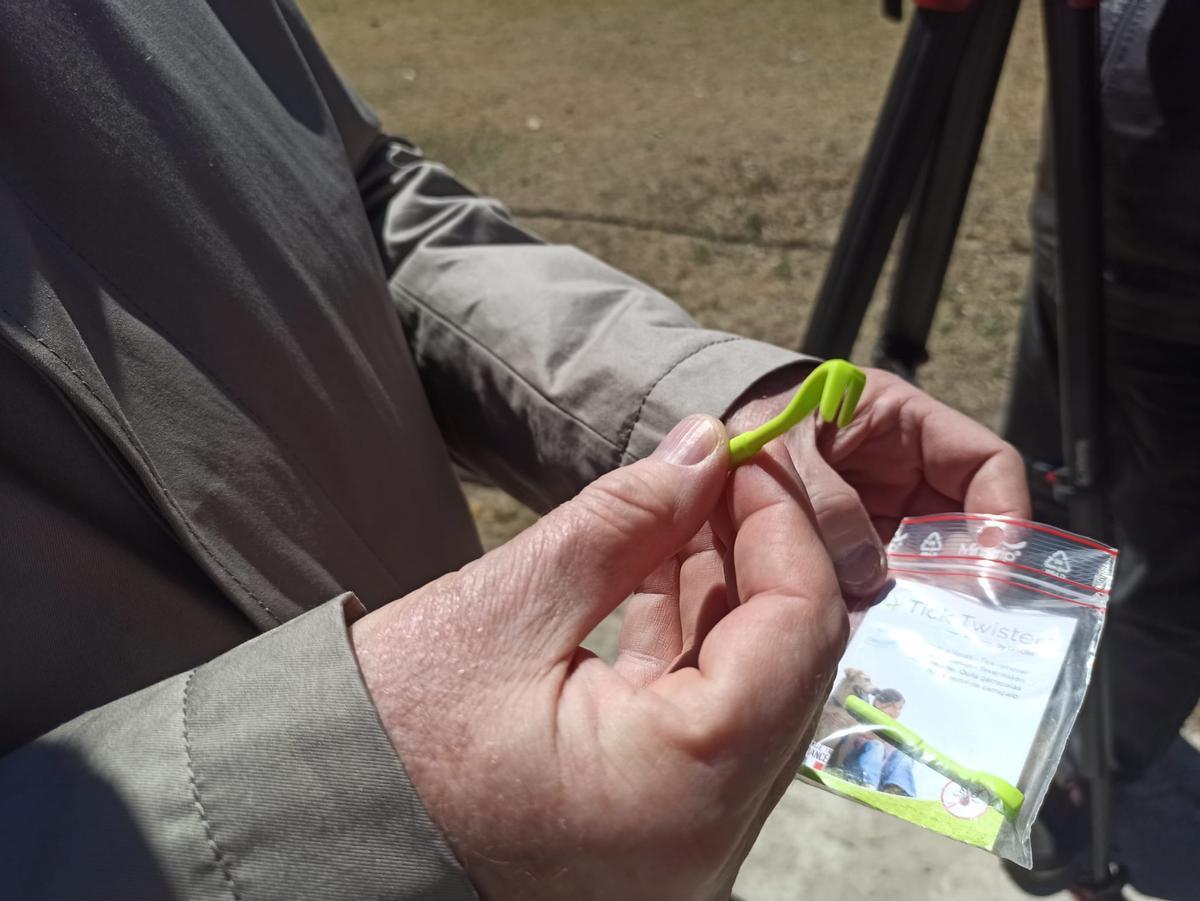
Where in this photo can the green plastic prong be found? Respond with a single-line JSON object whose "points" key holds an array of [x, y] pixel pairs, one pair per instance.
{"points": [[831, 399], [850, 404], [833, 388], [1010, 797]]}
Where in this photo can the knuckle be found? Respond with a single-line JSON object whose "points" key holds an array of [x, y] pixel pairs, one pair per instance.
{"points": [[834, 499], [826, 628], [709, 739], [626, 500], [1012, 457], [820, 616]]}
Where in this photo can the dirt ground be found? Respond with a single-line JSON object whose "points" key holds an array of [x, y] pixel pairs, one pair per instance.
{"points": [[706, 146], [709, 148]]}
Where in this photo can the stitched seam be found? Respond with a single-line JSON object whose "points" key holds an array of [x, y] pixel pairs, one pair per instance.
{"points": [[149, 467], [221, 861], [645, 397], [504, 364], [179, 345]]}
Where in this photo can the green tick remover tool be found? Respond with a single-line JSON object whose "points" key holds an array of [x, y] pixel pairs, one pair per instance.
{"points": [[832, 385], [985, 785]]}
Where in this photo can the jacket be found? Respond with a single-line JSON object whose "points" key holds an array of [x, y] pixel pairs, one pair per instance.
{"points": [[280, 329]]}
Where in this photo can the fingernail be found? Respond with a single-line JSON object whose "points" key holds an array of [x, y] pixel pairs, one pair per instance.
{"points": [[689, 442], [861, 569]]}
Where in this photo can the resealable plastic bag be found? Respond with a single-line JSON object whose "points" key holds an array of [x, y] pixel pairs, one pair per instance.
{"points": [[958, 689]]}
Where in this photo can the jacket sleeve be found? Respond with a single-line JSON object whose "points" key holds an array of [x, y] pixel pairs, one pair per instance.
{"points": [[264, 774], [545, 368]]}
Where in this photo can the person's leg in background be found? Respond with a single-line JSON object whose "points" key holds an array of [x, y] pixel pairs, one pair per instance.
{"points": [[865, 764], [897, 775], [1152, 234], [1152, 632]]}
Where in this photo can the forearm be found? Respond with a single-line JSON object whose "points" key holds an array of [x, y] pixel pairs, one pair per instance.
{"points": [[544, 366]]}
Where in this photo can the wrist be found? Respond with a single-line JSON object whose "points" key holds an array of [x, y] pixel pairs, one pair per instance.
{"points": [[766, 396]]}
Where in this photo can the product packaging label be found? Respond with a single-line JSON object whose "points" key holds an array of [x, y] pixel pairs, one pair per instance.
{"points": [[971, 682], [958, 688]]}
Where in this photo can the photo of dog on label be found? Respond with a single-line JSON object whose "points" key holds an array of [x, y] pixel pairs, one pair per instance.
{"points": [[855, 750]]}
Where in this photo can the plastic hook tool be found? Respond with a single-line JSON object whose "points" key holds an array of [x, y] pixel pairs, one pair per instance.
{"points": [[833, 388], [976, 781]]}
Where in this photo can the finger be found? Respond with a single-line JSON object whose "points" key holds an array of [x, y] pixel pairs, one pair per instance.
{"points": [[845, 526], [924, 501], [765, 664], [703, 594], [651, 636], [965, 460], [1000, 486], [786, 774], [927, 500], [565, 573], [663, 630]]}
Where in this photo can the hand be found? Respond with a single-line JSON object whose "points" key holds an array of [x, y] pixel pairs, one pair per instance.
{"points": [[905, 454], [555, 775]]}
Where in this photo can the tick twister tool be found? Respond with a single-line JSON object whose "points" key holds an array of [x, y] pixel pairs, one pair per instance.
{"points": [[833, 388], [902, 737]]}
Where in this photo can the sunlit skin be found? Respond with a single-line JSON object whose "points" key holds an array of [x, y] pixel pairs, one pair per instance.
{"points": [[556, 775]]}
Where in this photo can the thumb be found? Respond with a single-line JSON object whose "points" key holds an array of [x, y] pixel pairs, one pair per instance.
{"points": [[581, 560]]}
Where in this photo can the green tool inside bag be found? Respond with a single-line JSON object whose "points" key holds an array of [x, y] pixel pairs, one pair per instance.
{"points": [[958, 688]]}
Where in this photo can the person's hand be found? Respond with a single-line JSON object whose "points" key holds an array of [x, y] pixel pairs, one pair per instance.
{"points": [[904, 454], [555, 775]]}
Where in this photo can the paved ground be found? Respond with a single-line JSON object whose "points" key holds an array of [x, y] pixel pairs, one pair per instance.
{"points": [[708, 147]]}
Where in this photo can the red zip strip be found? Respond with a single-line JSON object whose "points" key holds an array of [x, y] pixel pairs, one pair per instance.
{"points": [[1018, 523], [981, 575], [1032, 569]]}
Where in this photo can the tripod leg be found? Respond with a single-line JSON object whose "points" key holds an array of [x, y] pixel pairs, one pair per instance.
{"points": [[899, 147], [935, 216], [1072, 51]]}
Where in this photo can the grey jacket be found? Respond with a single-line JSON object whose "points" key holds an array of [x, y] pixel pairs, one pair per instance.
{"points": [[279, 327]]}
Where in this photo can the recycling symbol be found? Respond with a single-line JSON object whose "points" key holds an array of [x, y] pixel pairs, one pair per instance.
{"points": [[931, 545], [1057, 564]]}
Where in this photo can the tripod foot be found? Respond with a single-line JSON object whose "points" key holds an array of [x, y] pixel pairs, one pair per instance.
{"points": [[1110, 890]]}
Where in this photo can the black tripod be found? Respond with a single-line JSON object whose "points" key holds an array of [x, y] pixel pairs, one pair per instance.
{"points": [[920, 162]]}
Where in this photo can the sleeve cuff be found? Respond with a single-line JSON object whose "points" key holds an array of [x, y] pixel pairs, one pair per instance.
{"points": [[302, 790], [709, 380]]}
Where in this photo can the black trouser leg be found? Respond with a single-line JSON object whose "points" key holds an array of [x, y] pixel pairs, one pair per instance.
{"points": [[1152, 635]]}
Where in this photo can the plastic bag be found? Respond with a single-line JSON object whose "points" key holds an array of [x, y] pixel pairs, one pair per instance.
{"points": [[953, 702]]}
